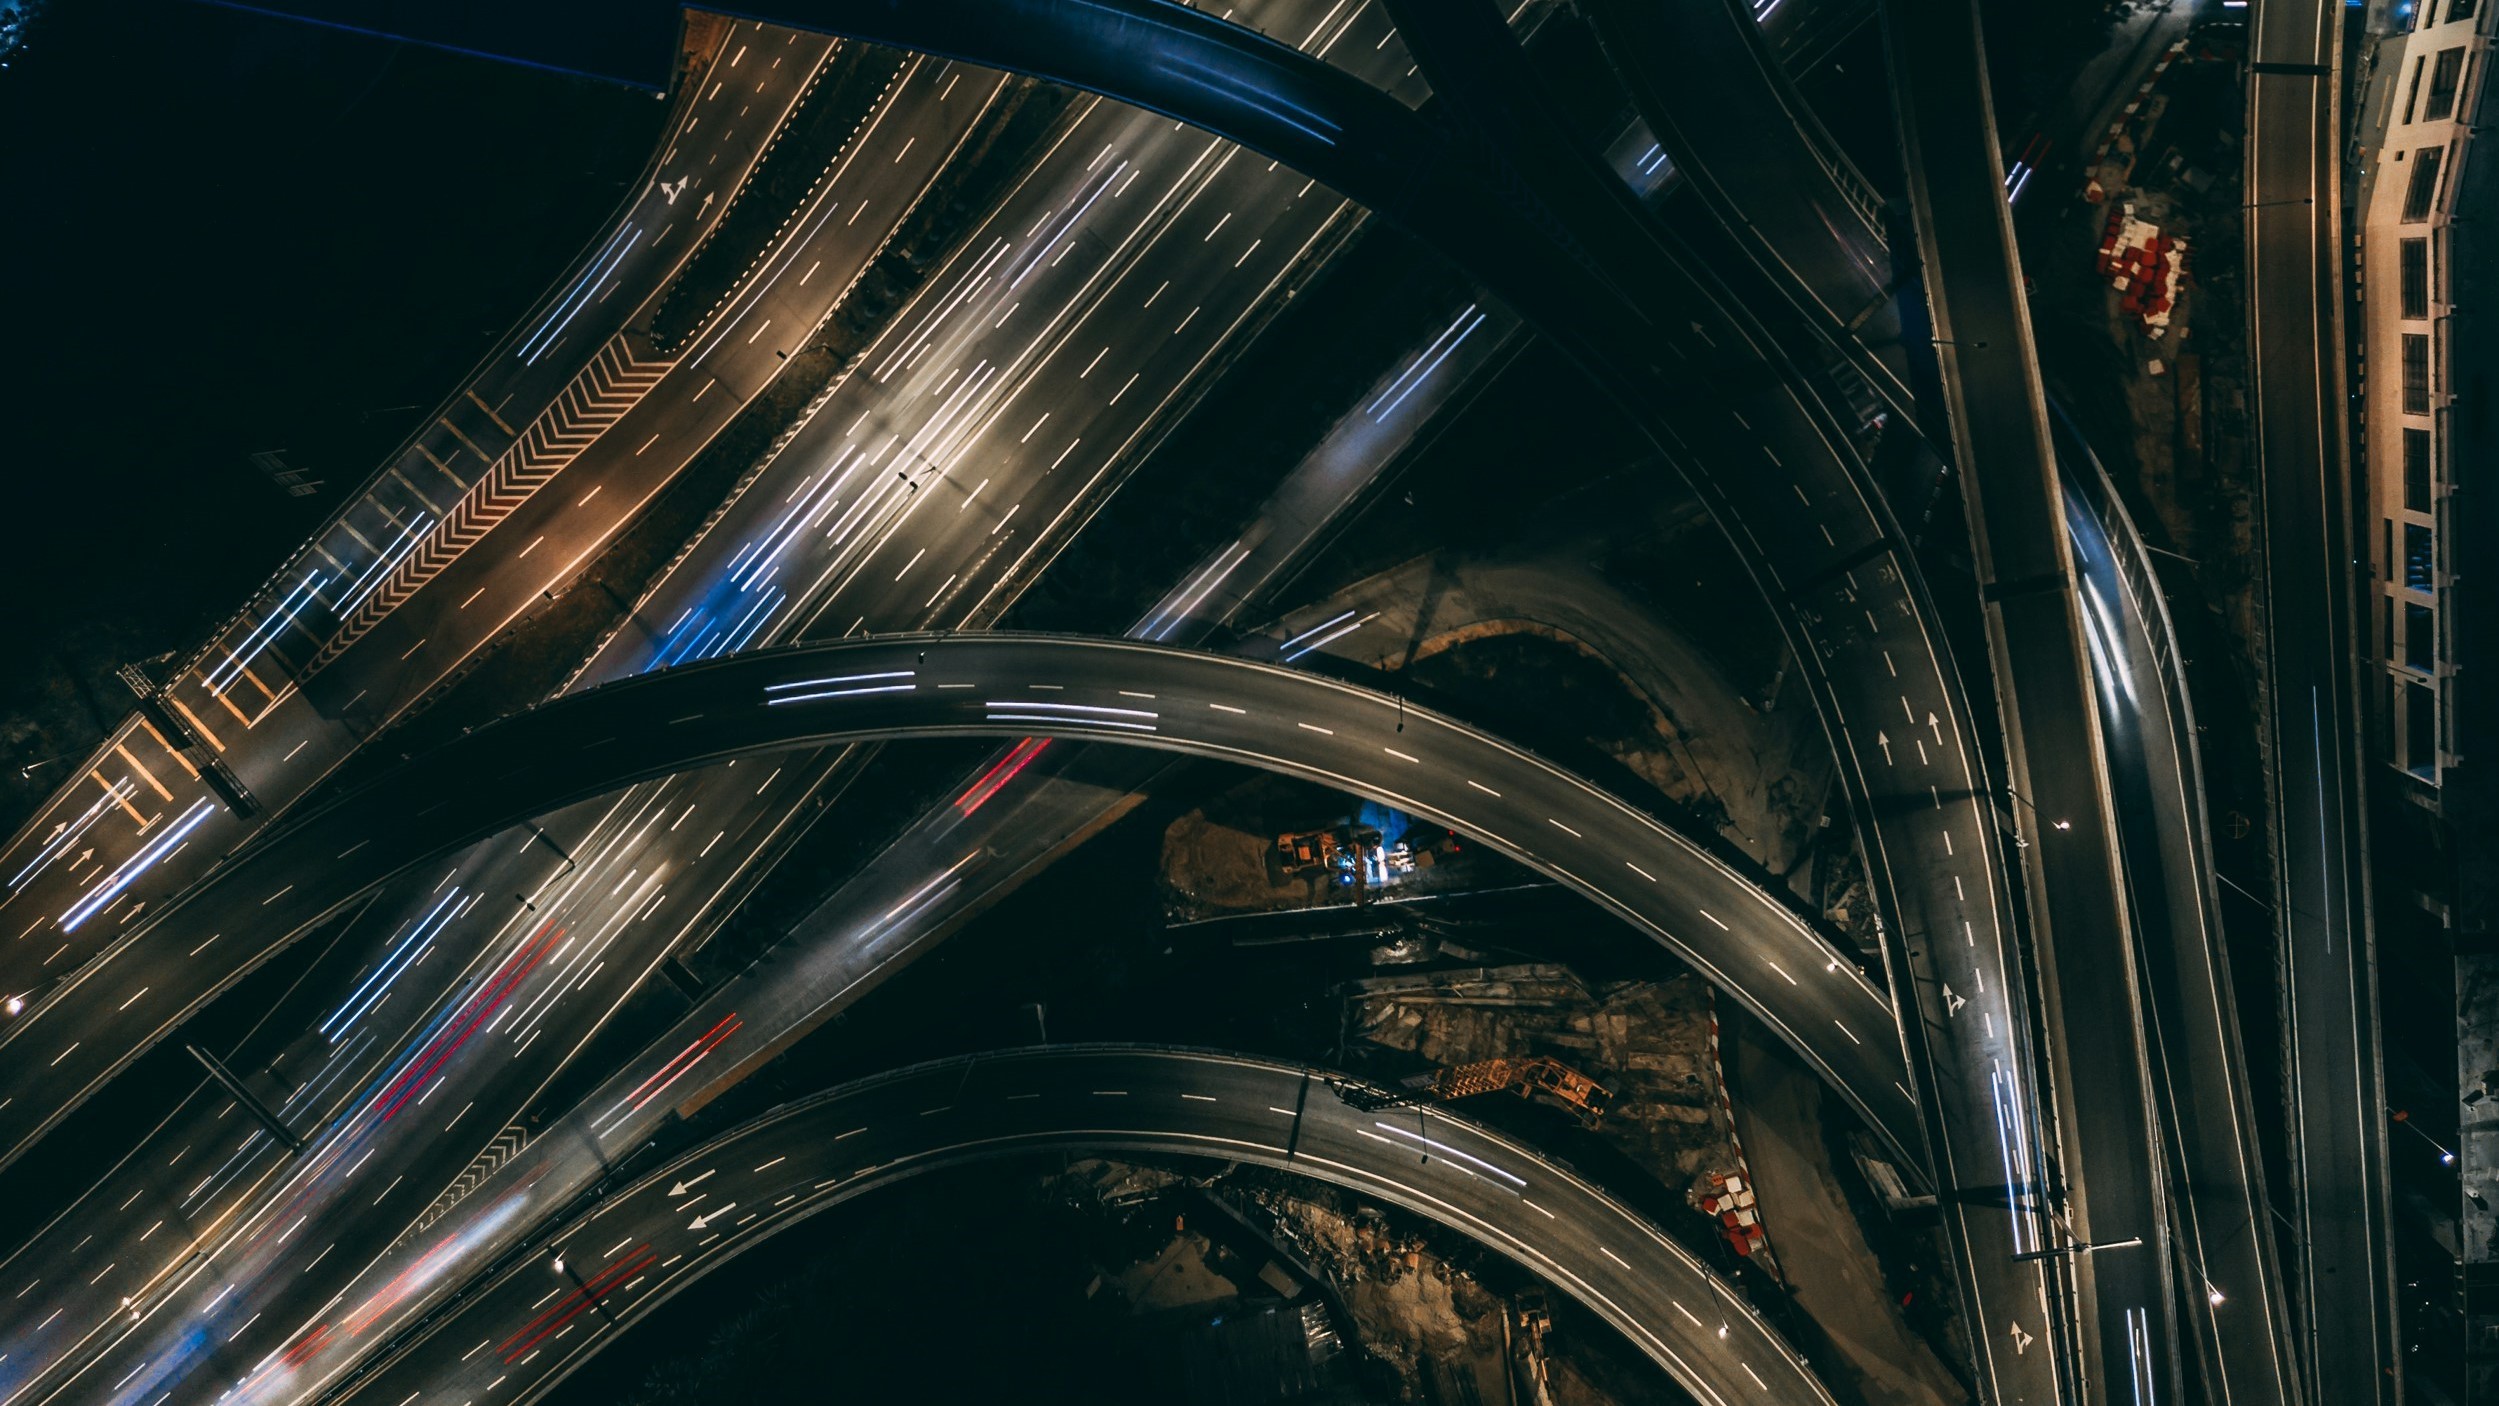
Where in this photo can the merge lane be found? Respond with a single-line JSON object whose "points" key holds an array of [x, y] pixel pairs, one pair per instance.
{"points": [[685, 871], [659, 1237], [92, 1045]]}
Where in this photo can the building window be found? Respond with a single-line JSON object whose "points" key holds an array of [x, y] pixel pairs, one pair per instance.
{"points": [[2414, 260], [2412, 95], [2420, 638], [2444, 80], [2416, 373], [2461, 9], [2420, 557], [2417, 470], [2421, 731], [2422, 188]]}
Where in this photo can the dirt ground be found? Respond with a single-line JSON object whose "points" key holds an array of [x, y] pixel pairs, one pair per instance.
{"points": [[1830, 1269]]}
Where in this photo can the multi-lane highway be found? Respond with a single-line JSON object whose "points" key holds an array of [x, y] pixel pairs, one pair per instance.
{"points": [[370, 1029], [1705, 81], [2224, 1215], [925, 491], [1757, 447], [513, 1338], [678, 876], [562, 435], [1019, 812], [675, 874], [1028, 803], [2339, 1199]]}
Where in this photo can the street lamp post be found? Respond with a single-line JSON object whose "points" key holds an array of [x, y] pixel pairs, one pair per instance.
{"points": [[2446, 1154], [2079, 1247], [570, 1273]]}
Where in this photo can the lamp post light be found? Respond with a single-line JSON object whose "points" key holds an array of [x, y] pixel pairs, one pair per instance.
{"points": [[2446, 1154], [2080, 1247], [574, 1275]]}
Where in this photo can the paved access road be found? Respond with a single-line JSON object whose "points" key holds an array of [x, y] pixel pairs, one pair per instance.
{"points": [[517, 1336]]}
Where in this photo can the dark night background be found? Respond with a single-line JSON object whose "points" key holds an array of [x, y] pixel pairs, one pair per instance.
{"points": [[222, 234]]}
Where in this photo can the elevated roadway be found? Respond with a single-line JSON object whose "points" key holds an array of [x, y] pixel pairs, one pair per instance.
{"points": [[1704, 78], [2339, 1198], [1775, 177], [2230, 1275], [644, 874], [1072, 321], [1712, 917], [1699, 74], [1843, 587], [509, 1340], [1390, 118], [1924, 808], [1724, 408], [2105, 1221], [1023, 809]]}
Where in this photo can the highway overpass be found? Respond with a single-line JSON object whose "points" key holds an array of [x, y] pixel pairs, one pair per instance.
{"points": [[1929, 830], [549, 448], [1710, 915], [1704, 79], [645, 1243], [1701, 76], [2106, 1224]]}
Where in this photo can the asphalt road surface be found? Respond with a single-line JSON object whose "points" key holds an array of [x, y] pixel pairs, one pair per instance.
{"points": [[2121, 1306], [2339, 1196], [2222, 1213], [518, 1336], [1713, 917], [1705, 79], [1727, 408], [618, 883], [563, 433]]}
